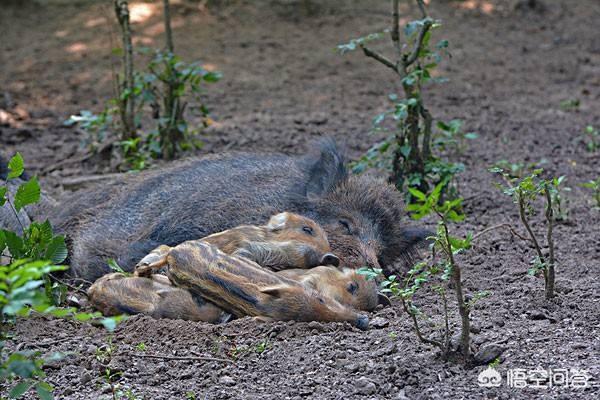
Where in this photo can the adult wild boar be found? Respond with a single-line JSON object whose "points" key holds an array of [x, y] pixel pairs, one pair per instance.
{"points": [[125, 220]]}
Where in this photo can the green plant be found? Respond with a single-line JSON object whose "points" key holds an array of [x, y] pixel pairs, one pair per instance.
{"points": [[516, 169], [189, 395], [595, 186], [558, 199], [105, 352], [262, 346], [141, 346], [524, 192], [168, 84], [451, 136], [26, 285], [593, 138], [447, 268], [408, 148], [166, 89], [570, 104]]}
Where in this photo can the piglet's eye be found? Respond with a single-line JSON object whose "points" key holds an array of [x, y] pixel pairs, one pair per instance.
{"points": [[352, 287], [308, 230], [346, 225]]}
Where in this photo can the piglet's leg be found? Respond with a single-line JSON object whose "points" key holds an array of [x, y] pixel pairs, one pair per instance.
{"points": [[154, 261]]}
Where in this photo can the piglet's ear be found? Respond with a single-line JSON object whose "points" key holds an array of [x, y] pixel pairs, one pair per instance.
{"points": [[275, 291], [278, 221]]}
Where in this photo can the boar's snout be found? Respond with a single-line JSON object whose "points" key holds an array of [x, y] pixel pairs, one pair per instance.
{"points": [[330, 259], [362, 322]]}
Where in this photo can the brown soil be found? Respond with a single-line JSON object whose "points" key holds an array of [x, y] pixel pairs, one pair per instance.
{"points": [[283, 85]]}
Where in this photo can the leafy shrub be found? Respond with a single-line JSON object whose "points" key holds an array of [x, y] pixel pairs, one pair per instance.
{"points": [[592, 138], [595, 186], [438, 274], [407, 151], [524, 192]]}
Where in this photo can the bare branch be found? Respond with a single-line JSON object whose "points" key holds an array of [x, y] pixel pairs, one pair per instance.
{"points": [[167, 357], [508, 226], [379, 57], [423, 339], [421, 5], [550, 265], [528, 228], [168, 32], [395, 32], [428, 120]]}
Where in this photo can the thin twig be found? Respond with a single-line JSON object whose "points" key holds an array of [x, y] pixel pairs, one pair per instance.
{"points": [[75, 288], [168, 32], [418, 330], [526, 224], [395, 32], [421, 5], [550, 266], [463, 309], [379, 57], [428, 121], [505, 225], [182, 358]]}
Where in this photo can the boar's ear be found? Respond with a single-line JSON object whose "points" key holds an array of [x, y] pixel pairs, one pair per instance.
{"points": [[278, 221], [275, 291], [326, 170], [413, 236]]}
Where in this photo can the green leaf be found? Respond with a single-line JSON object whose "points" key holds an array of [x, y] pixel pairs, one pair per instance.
{"points": [[212, 77], [14, 243], [3, 191], [112, 264], [2, 241], [20, 388], [56, 251], [27, 193], [44, 391], [16, 166], [418, 194]]}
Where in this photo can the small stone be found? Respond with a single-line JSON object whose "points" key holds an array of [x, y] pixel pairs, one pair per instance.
{"points": [[352, 368], [85, 378], [379, 322], [227, 381], [316, 325], [365, 386], [475, 329], [402, 395], [488, 353], [384, 351]]}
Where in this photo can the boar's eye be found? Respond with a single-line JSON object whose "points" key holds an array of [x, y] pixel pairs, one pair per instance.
{"points": [[352, 287], [346, 226], [321, 300], [308, 230]]}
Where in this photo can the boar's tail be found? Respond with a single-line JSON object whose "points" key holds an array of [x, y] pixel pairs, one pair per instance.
{"points": [[325, 166]]}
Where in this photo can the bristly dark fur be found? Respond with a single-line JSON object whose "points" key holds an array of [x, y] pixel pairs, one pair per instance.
{"points": [[191, 199]]}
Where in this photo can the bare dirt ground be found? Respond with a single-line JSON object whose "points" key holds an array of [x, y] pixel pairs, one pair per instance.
{"points": [[283, 86]]}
